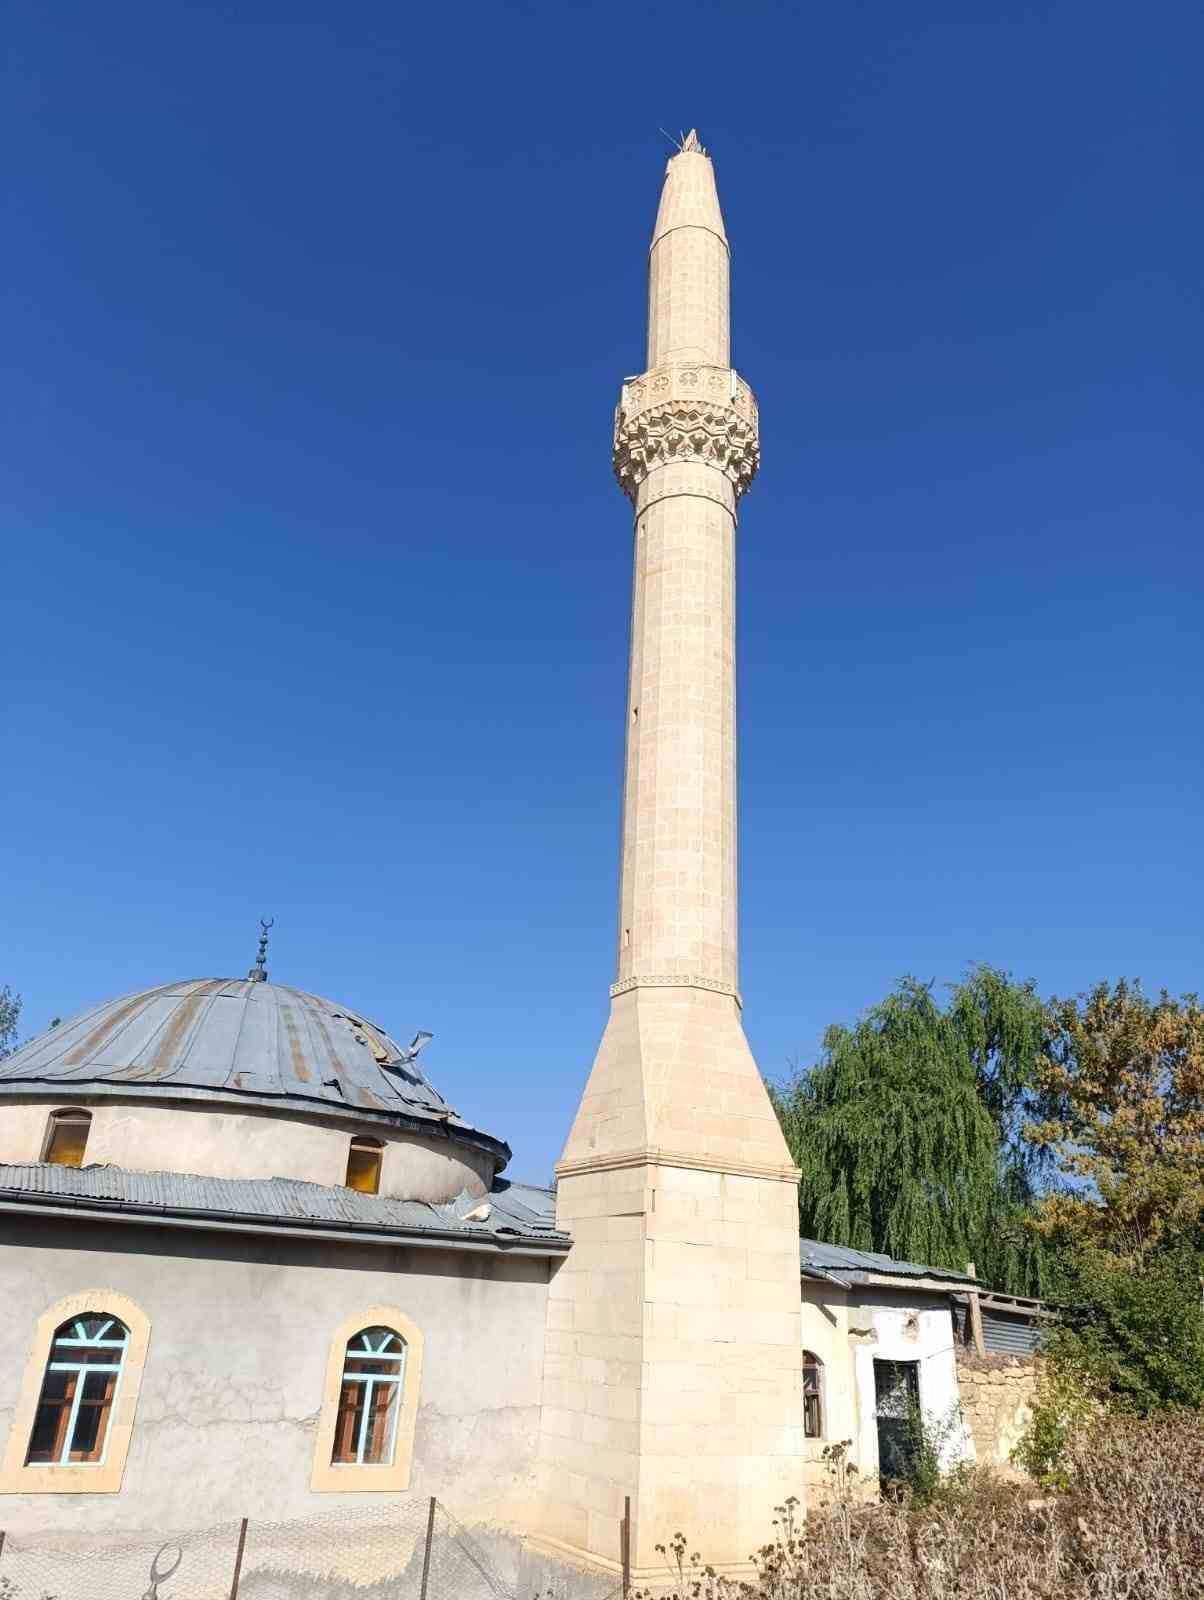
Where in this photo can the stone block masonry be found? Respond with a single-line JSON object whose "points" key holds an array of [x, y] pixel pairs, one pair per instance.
{"points": [[673, 1359], [997, 1394]]}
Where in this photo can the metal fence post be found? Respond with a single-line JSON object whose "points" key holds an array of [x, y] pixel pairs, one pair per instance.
{"points": [[626, 1546], [242, 1545], [1, 1541], [426, 1554]]}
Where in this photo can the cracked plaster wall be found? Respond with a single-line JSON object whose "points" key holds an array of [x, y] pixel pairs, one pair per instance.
{"points": [[253, 1143], [849, 1330], [240, 1333]]}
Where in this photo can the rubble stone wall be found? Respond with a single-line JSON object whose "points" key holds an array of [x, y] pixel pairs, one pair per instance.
{"points": [[996, 1398]]}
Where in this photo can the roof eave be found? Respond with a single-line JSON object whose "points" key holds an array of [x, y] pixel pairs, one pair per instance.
{"points": [[890, 1280], [292, 1227], [852, 1278]]}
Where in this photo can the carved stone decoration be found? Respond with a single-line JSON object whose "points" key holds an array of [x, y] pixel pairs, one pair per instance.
{"points": [[695, 413], [674, 981]]}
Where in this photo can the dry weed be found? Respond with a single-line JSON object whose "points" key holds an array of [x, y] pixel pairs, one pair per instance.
{"points": [[1131, 1528]]}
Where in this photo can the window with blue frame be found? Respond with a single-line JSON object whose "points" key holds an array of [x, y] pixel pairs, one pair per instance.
{"points": [[71, 1424], [365, 1433]]}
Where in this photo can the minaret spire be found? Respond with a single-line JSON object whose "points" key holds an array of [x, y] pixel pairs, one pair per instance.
{"points": [[675, 1181], [688, 265]]}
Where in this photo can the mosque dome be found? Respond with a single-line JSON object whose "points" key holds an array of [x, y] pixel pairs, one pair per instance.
{"points": [[243, 1048]]}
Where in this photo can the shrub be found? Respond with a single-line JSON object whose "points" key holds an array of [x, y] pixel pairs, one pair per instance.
{"points": [[1129, 1528], [1066, 1404], [1138, 1333]]}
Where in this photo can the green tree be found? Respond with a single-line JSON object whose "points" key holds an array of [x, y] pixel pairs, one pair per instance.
{"points": [[1122, 1096], [1134, 1336], [909, 1129], [10, 1011], [1122, 1093]]}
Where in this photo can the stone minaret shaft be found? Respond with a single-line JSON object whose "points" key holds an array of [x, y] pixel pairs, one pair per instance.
{"points": [[685, 448], [673, 1362]]}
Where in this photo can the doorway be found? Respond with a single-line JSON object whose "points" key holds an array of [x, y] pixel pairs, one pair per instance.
{"points": [[896, 1407]]}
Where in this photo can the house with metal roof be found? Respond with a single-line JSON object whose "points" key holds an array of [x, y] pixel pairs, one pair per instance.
{"points": [[886, 1340]]}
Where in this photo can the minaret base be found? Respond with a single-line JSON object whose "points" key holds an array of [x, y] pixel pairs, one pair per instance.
{"points": [[673, 1359]]}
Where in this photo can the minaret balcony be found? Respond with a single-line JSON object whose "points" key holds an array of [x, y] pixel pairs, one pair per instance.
{"points": [[695, 413]]}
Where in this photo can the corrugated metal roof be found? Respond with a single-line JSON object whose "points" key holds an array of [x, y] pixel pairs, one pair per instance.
{"points": [[238, 1041], [855, 1265], [517, 1212]]}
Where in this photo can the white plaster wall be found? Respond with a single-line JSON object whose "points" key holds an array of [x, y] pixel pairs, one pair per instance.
{"points": [[826, 1333], [890, 1325], [240, 1333], [179, 1137], [848, 1330]]}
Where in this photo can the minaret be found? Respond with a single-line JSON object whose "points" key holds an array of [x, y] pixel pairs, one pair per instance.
{"points": [[673, 1369]]}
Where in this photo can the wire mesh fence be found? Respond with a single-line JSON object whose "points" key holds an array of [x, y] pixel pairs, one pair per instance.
{"points": [[414, 1550]]}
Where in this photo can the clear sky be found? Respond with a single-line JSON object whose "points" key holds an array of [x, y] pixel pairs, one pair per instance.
{"points": [[316, 589]]}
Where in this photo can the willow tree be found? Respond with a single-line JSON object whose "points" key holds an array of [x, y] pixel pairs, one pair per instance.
{"points": [[909, 1130]]}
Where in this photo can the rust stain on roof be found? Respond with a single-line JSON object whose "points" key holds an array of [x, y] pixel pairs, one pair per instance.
{"points": [[104, 1031], [232, 1040], [163, 1058], [295, 1045], [318, 1021]]}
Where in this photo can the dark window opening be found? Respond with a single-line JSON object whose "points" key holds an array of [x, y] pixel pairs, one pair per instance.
{"points": [[897, 1409], [813, 1399]]}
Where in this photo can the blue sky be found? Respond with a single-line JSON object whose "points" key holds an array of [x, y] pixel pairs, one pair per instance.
{"points": [[317, 581]]}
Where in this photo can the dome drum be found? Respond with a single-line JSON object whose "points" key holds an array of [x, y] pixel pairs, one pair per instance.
{"points": [[237, 1078]]}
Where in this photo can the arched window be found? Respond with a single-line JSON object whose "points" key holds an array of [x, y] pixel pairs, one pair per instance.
{"points": [[71, 1424], [74, 1414], [67, 1137], [813, 1397], [369, 1414], [365, 1433], [363, 1165]]}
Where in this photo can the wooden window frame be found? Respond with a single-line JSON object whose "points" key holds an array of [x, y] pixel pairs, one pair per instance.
{"points": [[73, 1352], [364, 1144], [18, 1475], [812, 1362], [332, 1477], [365, 1433], [64, 1117]]}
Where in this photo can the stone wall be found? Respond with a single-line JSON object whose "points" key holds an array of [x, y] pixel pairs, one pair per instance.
{"points": [[996, 1397]]}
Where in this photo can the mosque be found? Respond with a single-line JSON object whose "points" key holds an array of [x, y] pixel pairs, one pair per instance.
{"points": [[253, 1260]]}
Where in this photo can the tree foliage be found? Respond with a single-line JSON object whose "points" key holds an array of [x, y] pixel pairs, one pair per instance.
{"points": [[909, 1129], [10, 1012], [1122, 1088], [1134, 1337]]}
